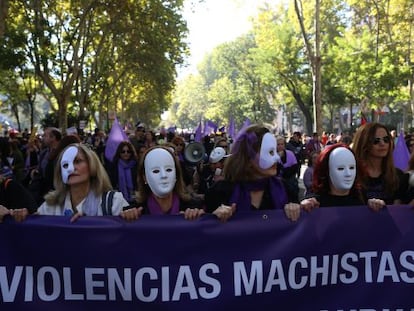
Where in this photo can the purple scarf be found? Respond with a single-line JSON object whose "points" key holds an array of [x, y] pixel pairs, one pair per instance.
{"points": [[241, 193], [125, 183], [155, 209]]}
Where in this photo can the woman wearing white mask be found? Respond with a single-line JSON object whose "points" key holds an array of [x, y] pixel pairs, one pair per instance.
{"points": [[161, 189], [250, 177], [83, 188], [336, 181]]}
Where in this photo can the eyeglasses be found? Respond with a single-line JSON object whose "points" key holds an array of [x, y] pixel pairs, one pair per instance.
{"points": [[385, 140], [126, 151]]}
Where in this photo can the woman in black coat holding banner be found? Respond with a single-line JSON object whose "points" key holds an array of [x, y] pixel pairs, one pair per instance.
{"points": [[250, 177], [336, 181]]}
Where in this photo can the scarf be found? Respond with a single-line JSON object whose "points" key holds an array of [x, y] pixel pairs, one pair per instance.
{"points": [[241, 193], [125, 183], [91, 204], [155, 209]]}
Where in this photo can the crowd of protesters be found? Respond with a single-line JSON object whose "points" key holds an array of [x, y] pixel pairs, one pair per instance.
{"points": [[255, 170]]}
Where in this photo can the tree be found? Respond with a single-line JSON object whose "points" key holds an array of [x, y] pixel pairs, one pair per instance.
{"points": [[82, 49]]}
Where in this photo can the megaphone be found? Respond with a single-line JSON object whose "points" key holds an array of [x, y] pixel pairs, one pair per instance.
{"points": [[194, 152]]}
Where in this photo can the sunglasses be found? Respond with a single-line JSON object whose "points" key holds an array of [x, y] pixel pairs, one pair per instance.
{"points": [[125, 151], [385, 140]]}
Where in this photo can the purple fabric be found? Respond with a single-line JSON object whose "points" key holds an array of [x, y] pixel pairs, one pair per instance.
{"points": [[155, 208], [209, 127], [241, 193], [290, 159], [198, 135], [116, 136], [250, 139], [125, 183], [363, 261], [401, 153], [243, 128], [232, 129]]}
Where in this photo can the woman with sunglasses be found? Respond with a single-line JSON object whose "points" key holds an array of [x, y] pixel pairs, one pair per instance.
{"points": [[373, 147], [123, 170]]}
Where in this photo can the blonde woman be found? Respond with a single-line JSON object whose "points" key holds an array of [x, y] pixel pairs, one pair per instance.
{"points": [[82, 187]]}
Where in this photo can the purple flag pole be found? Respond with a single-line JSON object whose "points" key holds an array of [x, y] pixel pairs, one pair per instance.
{"points": [[231, 130], [198, 137], [401, 154], [116, 136]]}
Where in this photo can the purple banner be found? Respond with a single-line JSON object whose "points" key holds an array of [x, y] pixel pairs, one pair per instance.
{"points": [[338, 258]]}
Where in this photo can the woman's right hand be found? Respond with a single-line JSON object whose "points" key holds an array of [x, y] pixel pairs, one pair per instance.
{"points": [[131, 214], [224, 212]]}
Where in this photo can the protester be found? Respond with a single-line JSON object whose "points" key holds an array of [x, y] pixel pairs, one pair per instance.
{"points": [[212, 171], [295, 144], [83, 188], [336, 181], [161, 188], [41, 179], [123, 171], [15, 199], [250, 176], [373, 148], [312, 145], [308, 174], [288, 167]]}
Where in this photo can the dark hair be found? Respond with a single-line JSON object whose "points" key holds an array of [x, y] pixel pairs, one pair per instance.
{"points": [[65, 141], [131, 148], [238, 166]]}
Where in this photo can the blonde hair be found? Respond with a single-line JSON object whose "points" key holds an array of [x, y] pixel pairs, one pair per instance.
{"points": [[98, 178]]}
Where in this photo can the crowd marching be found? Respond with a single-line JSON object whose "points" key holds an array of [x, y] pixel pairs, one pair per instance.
{"points": [[150, 173]]}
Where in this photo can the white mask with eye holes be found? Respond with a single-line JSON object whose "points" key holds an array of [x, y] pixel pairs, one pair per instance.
{"points": [[66, 164], [268, 154], [342, 169], [160, 172]]}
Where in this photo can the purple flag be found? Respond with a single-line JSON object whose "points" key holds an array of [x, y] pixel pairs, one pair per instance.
{"points": [[244, 126], [231, 130], [116, 135], [209, 126], [198, 137], [401, 153]]}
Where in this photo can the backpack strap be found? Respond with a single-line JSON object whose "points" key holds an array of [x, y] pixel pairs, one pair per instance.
{"points": [[106, 205]]}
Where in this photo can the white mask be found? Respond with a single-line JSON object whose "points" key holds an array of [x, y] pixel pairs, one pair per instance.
{"points": [[268, 153], [342, 169], [160, 172], [66, 164]]}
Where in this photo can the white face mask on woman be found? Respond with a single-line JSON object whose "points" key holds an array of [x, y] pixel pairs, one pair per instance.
{"points": [[268, 154], [66, 164], [160, 172], [342, 169]]}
